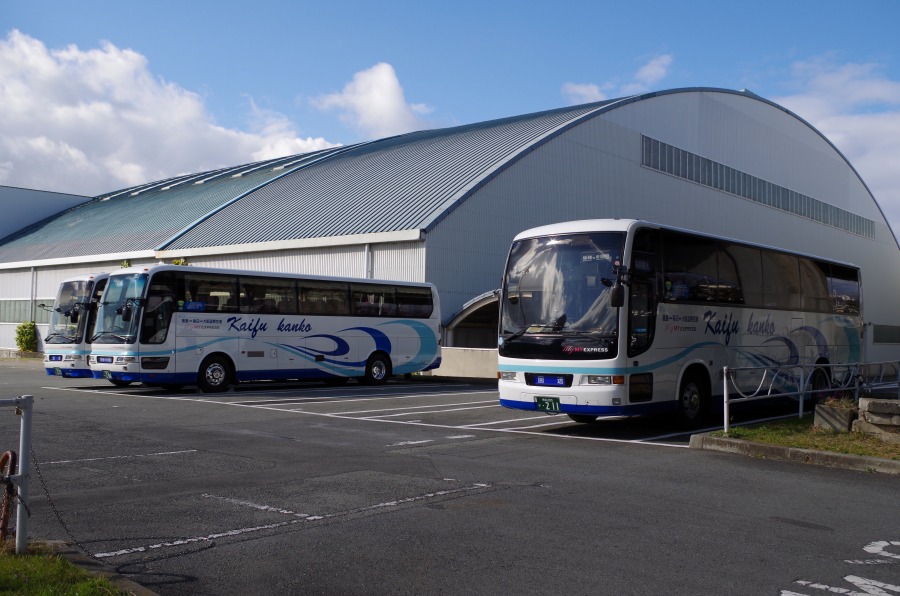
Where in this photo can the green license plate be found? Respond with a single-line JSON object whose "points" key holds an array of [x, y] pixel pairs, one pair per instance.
{"points": [[107, 374], [57, 371], [547, 404]]}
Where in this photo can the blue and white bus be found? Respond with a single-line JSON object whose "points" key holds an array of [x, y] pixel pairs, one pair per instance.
{"points": [[72, 317], [627, 317], [169, 326]]}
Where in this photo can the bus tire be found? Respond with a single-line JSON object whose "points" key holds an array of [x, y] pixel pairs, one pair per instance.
{"points": [[693, 399], [583, 418], [120, 383], [378, 369], [819, 382], [215, 374]]}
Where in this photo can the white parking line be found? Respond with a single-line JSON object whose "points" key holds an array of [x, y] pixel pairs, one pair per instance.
{"points": [[77, 461], [298, 519], [467, 403], [407, 422], [430, 412], [505, 421]]}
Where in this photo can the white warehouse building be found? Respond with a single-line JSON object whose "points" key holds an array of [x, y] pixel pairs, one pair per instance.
{"points": [[443, 205]]}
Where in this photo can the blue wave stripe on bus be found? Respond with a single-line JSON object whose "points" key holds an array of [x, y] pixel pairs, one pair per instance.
{"points": [[428, 347], [616, 370]]}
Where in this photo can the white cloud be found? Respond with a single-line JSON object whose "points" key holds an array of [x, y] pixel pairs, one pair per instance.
{"points": [[858, 110], [374, 103], [91, 121], [643, 80], [577, 93]]}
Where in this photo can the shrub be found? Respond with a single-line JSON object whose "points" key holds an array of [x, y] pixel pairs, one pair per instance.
{"points": [[26, 337]]}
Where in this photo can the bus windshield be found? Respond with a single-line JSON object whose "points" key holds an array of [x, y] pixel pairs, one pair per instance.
{"points": [[71, 300], [118, 313], [561, 285]]}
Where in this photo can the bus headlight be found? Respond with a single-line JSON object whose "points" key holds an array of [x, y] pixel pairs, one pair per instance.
{"points": [[504, 375], [605, 379], [125, 359]]}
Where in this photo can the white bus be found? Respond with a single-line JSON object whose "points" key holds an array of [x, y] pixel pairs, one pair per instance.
{"points": [[72, 317], [169, 326], [627, 317]]}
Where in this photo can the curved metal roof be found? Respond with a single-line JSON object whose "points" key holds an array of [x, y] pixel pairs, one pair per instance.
{"points": [[405, 182]]}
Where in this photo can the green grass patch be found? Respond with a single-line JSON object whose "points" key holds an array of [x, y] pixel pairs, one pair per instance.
{"points": [[800, 432], [40, 572]]}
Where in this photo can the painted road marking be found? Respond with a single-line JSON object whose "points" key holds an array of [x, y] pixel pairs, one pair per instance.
{"points": [[393, 421], [298, 519], [78, 461], [468, 403]]}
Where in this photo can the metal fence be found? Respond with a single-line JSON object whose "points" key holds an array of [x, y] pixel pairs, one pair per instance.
{"points": [[809, 382], [24, 405]]}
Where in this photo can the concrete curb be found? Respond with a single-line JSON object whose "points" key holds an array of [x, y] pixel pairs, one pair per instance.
{"points": [[806, 456], [96, 568]]}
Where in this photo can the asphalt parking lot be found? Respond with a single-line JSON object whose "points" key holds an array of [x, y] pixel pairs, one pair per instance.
{"points": [[427, 487]]}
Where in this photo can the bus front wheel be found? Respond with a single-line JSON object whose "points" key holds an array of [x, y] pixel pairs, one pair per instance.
{"points": [[378, 369], [214, 375], [692, 399], [583, 418]]}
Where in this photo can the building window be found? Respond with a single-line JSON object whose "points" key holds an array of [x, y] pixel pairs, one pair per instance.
{"points": [[671, 160]]}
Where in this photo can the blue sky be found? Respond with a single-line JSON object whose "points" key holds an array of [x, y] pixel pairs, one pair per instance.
{"points": [[102, 95]]}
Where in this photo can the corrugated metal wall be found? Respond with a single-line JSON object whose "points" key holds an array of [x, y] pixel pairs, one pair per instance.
{"points": [[400, 260]]}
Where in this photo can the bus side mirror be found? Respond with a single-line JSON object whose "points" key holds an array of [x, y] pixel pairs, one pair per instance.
{"points": [[126, 312], [74, 316], [617, 296]]}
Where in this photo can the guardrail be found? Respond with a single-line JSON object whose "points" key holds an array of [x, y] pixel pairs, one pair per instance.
{"points": [[24, 405], [806, 381]]}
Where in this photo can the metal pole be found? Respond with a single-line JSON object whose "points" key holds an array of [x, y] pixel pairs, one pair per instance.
{"points": [[802, 389], [24, 473], [725, 397]]}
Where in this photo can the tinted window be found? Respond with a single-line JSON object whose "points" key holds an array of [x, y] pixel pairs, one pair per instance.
{"points": [[843, 287], [373, 300], [781, 280], [814, 285], [323, 298], [690, 268], [268, 295], [414, 302], [747, 264]]}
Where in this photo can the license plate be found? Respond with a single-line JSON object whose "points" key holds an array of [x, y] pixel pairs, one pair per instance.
{"points": [[55, 358], [57, 371], [547, 404], [107, 374], [550, 381], [104, 359]]}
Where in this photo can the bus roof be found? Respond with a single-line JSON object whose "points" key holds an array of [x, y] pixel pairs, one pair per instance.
{"points": [[627, 225], [250, 273]]}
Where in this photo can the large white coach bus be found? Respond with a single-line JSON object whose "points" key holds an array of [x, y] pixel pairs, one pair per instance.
{"points": [[169, 326], [627, 317], [72, 317]]}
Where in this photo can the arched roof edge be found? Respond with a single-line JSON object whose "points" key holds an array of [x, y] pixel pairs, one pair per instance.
{"points": [[617, 103]]}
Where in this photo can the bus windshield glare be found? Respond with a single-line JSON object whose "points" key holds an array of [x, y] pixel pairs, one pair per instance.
{"points": [[561, 285], [70, 300], [118, 314]]}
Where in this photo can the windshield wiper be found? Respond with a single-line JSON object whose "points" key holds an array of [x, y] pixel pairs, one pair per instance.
{"points": [[119, 338], [69, 338], [556, 326]]}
